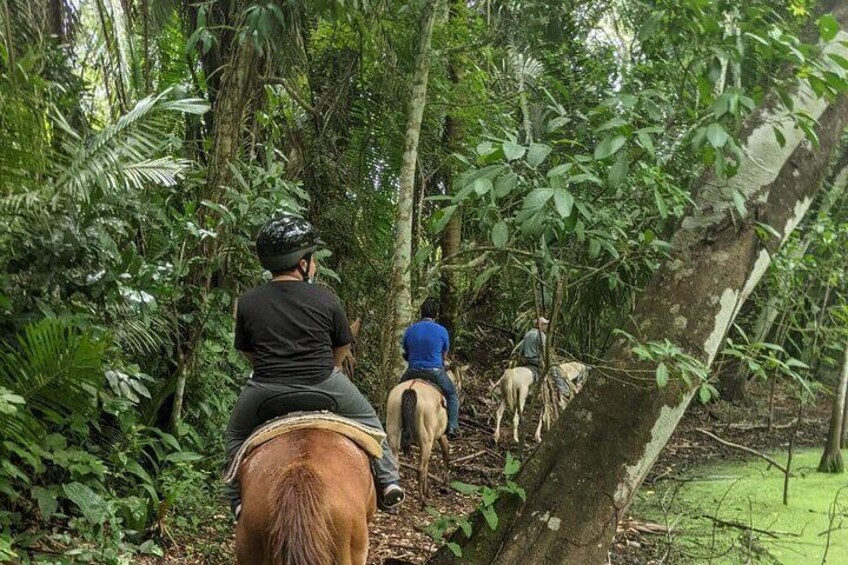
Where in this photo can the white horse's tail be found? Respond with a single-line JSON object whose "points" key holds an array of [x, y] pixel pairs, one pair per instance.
{"points": [[508, 388]]}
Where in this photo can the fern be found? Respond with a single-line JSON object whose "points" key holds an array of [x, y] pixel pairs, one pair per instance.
{"points": [[55, 368]]}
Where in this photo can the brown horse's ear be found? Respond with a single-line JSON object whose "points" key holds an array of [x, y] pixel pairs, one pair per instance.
{"points": [[355, 326]]}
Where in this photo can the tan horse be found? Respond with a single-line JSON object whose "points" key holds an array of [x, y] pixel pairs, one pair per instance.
{"points": [[303, 507], [515, 387], [416, 414]]}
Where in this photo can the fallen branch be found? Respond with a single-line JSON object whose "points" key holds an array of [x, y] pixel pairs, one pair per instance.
{"points": [[743, 448], [642, 527], [468, 457], [752, 427], [773, 534]]}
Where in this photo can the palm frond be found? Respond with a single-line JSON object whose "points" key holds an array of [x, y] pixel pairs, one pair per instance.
{"points": [[124, 154]]}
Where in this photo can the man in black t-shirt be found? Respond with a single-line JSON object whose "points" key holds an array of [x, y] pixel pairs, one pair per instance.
{"points": [[295, 335]]}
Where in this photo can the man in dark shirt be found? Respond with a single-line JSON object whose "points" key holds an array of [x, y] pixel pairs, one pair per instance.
{"points": [[425, 345], [295, 335]]}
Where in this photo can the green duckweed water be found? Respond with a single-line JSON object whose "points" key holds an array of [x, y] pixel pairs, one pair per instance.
{"points": [[748, 493]]}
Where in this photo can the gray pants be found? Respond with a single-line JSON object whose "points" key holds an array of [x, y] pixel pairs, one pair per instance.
{"points": [[351, 404]]}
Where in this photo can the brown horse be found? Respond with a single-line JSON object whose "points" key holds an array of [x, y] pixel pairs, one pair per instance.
{"points": [[308, 497], [416, 414]]}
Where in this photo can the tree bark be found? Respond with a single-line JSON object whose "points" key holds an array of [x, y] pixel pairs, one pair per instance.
{"points": [[583, 477], [831, 460], [452, 235], [237, 84], [401, 279]]}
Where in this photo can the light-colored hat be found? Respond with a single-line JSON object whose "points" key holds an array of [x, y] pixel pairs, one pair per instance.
{"points": [[542, 320]]}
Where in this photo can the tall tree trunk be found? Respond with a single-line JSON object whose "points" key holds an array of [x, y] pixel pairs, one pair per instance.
{"points": [[831, 461], [238, 80], [237, 85], [581, 480], [452, 235], [401, 279]]}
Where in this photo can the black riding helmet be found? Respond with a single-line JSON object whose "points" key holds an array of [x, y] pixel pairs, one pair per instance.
{"points": [[284, 240]]}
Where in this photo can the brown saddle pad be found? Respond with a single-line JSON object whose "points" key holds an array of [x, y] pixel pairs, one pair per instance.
{"points": [[369, 439]]}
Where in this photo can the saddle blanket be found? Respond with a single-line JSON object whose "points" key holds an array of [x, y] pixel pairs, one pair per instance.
{"points": [[369, 439]]}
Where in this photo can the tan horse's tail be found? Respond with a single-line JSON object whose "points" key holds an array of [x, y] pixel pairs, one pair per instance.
{"points": [[408, 406], [302, 532]]}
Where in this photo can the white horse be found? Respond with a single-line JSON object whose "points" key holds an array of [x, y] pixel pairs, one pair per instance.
{"points": [[515, 386]]}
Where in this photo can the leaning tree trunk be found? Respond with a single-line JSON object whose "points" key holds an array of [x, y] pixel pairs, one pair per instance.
{"points": [[845, 425], [401, 267], [583, 477], [831, 461]]}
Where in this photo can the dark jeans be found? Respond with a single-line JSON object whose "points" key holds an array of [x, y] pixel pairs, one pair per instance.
{"points": [[440, 378], [351, 404]]}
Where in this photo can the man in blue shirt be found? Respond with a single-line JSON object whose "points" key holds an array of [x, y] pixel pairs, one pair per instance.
{"points": [[425, 345]]}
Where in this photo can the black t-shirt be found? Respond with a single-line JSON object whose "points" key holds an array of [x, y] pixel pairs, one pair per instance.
{"points": [[291, 327]]}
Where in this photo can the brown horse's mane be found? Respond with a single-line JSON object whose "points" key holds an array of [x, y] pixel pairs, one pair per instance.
{"points": [[302, 532]]}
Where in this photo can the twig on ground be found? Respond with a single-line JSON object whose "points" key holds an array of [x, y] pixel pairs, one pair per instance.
{"points": [[414, 468], [743, 448], [468, 457], [773, 534]]}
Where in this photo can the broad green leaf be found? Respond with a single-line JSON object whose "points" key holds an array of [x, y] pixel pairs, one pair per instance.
{"points": [[538, 198], [704, 394], [454, 548], [778, 136], [537, 153], [485, 148], [650, 26], [839, 60], [739, 203], [512, 465], [500, 234], [619, 169], [828, 27], [181, 456], [594, 248], [609, 146], [662, 375], [661, 205], [560, 170], [563, 202], [93, 506], [505, 184], [491, 516], [716, 135], [482, 186], [464, 488], [512, 150], [646, 142], [441, 218], [47, 501]]}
